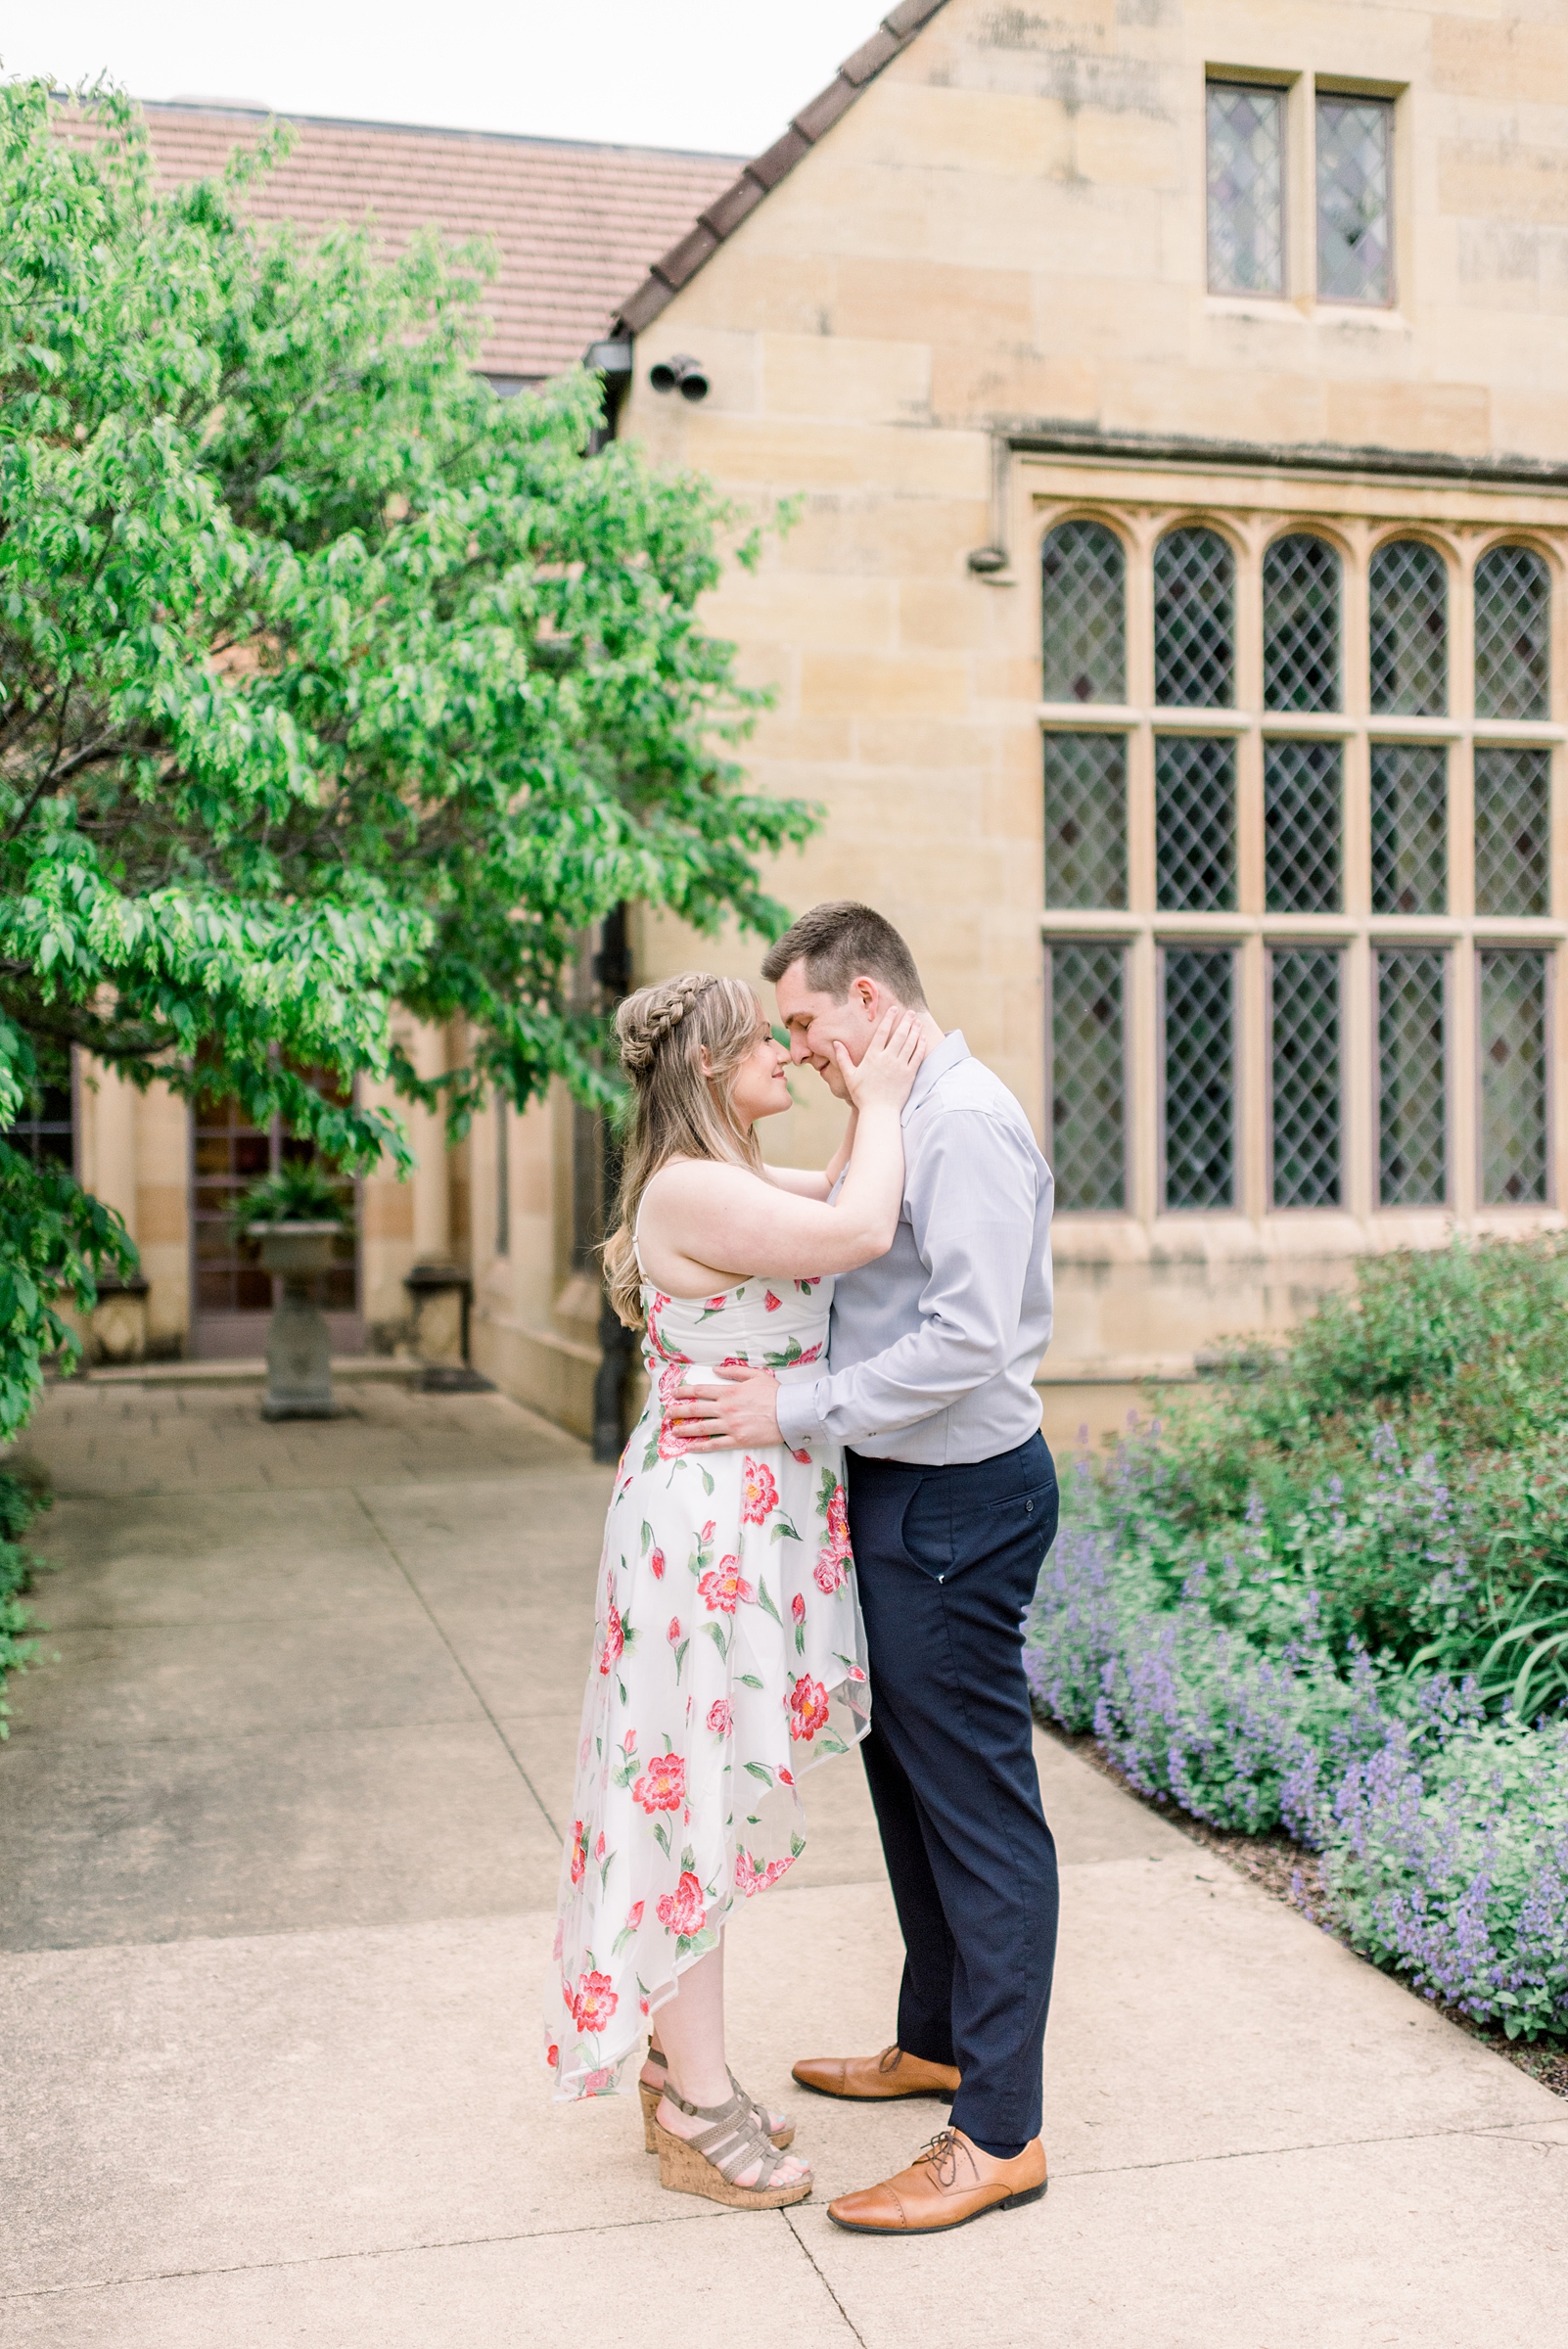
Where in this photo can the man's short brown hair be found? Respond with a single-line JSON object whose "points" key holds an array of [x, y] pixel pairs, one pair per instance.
{"points": [[843, 942]]}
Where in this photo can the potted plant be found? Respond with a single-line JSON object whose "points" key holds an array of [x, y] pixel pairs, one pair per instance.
{"points": [[294, 1216]]}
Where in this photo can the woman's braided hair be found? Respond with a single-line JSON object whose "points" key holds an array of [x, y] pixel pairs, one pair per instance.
{"points": [[682, 1043], [645, 1019]]}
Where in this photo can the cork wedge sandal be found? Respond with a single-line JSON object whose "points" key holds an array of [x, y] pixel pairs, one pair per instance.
{"points": [[783, 2137], [709, 2163]]}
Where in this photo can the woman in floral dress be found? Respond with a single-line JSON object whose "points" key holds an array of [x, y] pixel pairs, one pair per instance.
{"points": [[728, 1649]]}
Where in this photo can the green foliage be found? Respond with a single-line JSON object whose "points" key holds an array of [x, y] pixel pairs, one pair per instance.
{"points": [[54, 1239], [300, 1192], [329, 680], [17, 1508], [1396, 1476], [1330, 1592]]}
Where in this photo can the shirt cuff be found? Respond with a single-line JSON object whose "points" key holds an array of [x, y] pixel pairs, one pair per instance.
{"points": [[799, 1416]]}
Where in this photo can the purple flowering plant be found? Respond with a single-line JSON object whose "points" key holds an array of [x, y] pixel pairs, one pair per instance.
{"points": [[1329, 1592]]}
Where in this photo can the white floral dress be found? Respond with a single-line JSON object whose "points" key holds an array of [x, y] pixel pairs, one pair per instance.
{"points": [[728, 1657]]}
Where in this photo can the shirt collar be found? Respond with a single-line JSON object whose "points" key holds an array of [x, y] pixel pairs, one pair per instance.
{"points": [[937, 1061]]}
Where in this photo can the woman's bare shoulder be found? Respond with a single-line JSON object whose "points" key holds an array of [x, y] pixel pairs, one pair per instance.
{"points": [[682, 1179]]}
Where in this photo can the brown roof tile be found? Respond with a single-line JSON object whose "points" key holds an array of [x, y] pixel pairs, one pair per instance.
{"points": [[575, 224]]}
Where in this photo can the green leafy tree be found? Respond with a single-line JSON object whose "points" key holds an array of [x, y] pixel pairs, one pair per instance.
{"points": [[329, 680]]}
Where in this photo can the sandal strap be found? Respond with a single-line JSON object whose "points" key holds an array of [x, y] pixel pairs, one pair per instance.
{"points": [[734, 2140]]}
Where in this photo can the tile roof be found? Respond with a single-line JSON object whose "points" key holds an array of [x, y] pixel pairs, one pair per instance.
{"points": [[575, 224], [725, 214]]}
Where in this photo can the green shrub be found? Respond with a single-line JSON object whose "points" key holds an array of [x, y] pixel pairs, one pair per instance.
{"points": [[1329, 1592], [300, 1192], [19, 1505], [1397, 1475]]}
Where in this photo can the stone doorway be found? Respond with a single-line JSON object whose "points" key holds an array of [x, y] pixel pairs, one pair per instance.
{"points": [[231, 1297]]}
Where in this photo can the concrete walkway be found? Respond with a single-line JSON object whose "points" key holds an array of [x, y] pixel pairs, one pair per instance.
{"points": [[278, 1844]]}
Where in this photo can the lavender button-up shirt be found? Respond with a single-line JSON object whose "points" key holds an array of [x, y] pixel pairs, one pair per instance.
{"points": [[934, 1346]]}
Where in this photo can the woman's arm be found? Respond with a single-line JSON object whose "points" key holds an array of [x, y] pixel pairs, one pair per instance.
{"points": [[703, 1223], [805, 1181]]}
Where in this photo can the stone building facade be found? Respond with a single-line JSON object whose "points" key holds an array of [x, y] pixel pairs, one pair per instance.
{"points": [[1175, 626], [1173, 632]]}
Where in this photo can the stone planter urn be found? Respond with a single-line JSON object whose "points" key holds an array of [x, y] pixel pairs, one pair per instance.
{"points": [[299, 1348]]}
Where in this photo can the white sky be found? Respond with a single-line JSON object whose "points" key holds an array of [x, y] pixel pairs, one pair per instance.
{"points": [[721, 74]]}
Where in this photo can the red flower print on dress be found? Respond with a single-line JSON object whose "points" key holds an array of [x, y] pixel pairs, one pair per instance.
{"points": [[722, 1588], [784, 1778], [833, 1558], [759, 1492], [598, 1849], [797, 1607], [595, 2083], [634, 1916], [595, 2002], [580, 1852], [808, 1708], [802, 1455], [720, 1719], [614, 1639], [673, 1633], [750, 1878], [552, 2055], [683, 1909], [663, 1785], [657, 1562], [772, 1302]]}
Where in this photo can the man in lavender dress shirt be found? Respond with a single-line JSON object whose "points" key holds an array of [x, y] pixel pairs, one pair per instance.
{"points": [[952, 1507]]}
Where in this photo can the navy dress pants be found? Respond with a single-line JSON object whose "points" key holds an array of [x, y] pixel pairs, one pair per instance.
{"points": [[947, 1560]]}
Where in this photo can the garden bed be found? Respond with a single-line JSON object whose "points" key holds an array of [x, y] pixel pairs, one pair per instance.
{"points": [[1320, 1611], [1289, 1872]]}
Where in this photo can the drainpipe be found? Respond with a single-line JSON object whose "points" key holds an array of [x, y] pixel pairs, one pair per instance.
{"points": [[612, 968]]}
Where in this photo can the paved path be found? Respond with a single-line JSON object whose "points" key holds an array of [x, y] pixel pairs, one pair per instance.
{"points": [[277, 1841]]}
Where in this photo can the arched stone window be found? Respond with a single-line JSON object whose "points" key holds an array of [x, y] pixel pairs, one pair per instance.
{"points": [[1301, 623], [1083, 605], [1194, 621], [1409, 591], [1512, 634]]}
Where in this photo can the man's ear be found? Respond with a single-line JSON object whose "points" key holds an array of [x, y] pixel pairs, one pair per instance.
{"points": [[864, 991]]}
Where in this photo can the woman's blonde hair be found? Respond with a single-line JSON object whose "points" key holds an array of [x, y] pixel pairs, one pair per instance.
{"points": [[681, 1109]]}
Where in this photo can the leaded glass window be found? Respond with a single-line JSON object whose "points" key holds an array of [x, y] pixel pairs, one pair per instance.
{"points": [[1355, 199], [1412, 1078], [1194, 621], [1200, 1090], [1088, 1092], [1083, 599], [48, 1129], [1302, 824], [1246, 140], [1409, 827], [1512, 634], [1512, 831], [1305, 1054], [1195, 823], [1513, 1077], [1086, 819], [1409, 588], [1301, 623]]}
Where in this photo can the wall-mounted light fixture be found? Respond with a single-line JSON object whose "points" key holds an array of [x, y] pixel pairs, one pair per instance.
{"points": [[682, 373]]}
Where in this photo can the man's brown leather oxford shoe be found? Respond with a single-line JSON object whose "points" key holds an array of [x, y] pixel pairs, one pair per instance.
{"points": [[872, 2079], [946, 2185]]}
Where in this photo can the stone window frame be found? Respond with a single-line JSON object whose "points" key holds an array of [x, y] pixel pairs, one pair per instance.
{"points": [[1139, 504]]}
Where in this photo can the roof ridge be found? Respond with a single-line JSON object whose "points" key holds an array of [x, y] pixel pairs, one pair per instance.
{"points": [[425, 130], [762, 175]]}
